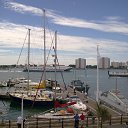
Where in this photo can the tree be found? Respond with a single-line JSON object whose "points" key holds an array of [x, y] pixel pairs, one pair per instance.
{"points": [[102, 114]]}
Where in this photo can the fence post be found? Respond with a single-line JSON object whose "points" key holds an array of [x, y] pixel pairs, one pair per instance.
{"points": [[121, 119], [110, 123], [23, 123], [93, 120], [87, 121], [9, 124], [62, 123], [50, 123], [101, 124], [37, 123]]}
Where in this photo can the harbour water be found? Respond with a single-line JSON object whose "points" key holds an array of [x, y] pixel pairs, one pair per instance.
{"points": [[89, 77]]}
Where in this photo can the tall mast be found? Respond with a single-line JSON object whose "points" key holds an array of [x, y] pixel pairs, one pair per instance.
{"points": [[116, 87], [22, 111], [44, 48], [28, 54], [97, 92], [55, 60], [22, 101]]}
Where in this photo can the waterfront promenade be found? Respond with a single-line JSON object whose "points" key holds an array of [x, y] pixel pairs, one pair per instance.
{"points": [[115, 122]]}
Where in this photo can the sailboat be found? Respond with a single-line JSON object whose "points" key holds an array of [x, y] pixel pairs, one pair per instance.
{"points": [[79, 85], [36, 97], [114, 99]]}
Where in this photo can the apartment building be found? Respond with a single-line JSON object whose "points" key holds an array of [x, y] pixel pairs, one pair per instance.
{"points": [[104, 63], [80, 63], [118, 64]]}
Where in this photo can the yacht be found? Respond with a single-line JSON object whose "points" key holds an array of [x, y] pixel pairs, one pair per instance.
{"points": [[114, 99], [48, 68], [61, 111], [78, 85], [35, 98], [118, 74]]}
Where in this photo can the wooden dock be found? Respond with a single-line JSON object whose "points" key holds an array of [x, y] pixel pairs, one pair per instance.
{"points": [[91, 103]]}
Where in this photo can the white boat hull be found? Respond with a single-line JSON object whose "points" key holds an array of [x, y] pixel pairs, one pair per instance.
{"points": [[115, 101]]}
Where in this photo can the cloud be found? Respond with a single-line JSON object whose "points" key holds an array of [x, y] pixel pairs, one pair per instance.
{"points": [[13, 35], [104, 26], [113, 18], [110, 24], [23, 8]]}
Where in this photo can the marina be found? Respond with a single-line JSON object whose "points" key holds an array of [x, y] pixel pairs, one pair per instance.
{"points": [[68, 76], [89, 100], [49, 120]]}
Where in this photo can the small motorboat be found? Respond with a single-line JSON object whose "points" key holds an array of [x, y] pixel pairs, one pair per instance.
{"points": [[78, 85], [79, 104]]}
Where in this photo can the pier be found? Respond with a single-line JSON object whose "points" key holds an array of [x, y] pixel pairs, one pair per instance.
{"points": [[91, 103]]}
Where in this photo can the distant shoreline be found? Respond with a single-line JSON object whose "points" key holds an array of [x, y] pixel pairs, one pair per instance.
{"points": [[10, 67]]}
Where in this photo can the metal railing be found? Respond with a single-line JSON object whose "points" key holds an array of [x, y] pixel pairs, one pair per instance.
{"points": [[89, 122]]}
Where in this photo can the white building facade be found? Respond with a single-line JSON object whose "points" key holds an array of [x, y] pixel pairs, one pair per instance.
{"points": [[115, 64], [104, 63], [118, 64], [80, 63]]}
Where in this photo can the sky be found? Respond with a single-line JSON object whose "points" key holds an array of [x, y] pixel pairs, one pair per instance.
{"points": [[81, 26]]}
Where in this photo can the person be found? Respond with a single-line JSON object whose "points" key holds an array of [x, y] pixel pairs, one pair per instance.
{"points": [[86, 89], [82, 118], [74, 90], [68, 95], [50, 95], [19, 121], [76, 117], [83, 95]]}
